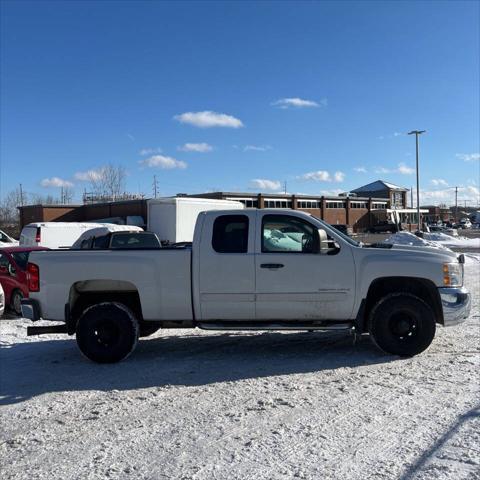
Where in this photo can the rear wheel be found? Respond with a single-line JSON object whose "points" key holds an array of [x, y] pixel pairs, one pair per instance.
{"points": [[402, 324], [16, 302], [107, 332]]}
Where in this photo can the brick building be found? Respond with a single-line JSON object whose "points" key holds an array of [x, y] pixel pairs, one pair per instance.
{"points": [[358, 211]]}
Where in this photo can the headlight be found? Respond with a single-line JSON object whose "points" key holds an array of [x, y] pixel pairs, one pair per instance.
{"points": [[452, 274]]}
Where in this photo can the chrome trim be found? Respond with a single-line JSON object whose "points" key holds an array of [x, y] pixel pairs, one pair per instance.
{"points": [[456, 304]]}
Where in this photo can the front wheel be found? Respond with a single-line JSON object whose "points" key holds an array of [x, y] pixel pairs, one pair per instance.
{"points": [[107, 332], [402, 324]]}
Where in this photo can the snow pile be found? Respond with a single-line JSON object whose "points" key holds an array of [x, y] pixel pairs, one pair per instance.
{"points": [[407, 238], [450, 241]]}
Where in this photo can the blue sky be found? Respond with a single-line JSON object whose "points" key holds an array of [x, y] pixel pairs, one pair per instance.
{"points": [[241, 96]]}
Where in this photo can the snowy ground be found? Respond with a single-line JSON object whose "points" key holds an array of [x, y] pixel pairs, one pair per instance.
{"points": [[199, 405]]}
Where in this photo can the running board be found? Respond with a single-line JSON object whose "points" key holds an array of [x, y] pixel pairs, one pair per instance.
{"points": [[279, 325], [46, 329]]}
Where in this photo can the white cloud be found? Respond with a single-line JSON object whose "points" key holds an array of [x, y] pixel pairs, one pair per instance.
{"points": [[90, 175], [256, 148], [360, 169], [322, 176], [391, 135], [296, 102], [468, 157], [332, 193], [150, 151], [470, 194], [163, 162], [263, 184], [208, 119], [55, 182], [402, 169], [196, 147], [439, 181]]}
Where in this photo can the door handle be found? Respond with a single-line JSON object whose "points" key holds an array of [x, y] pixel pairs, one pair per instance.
{"points": [[272, 265]]}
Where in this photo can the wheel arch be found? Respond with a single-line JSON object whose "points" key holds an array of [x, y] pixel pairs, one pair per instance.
{"points": [[86, 293], [380, 287]]}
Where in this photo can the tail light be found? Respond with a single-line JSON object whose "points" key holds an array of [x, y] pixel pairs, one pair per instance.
{"points": [[33, 277], [38, 236]]}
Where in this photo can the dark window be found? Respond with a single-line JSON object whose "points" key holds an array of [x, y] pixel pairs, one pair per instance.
{"points": [[230, 234], [134, 240], [288, 234], [21, 259], [101, 243], [4, 262]]}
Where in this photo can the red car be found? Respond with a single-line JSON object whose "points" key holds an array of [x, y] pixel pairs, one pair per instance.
{"points": [[13, 276]]}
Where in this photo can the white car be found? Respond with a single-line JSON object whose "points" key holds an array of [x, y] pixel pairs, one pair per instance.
{"points": [[249, 269], [6, 240], [465, 223], [2, 301]]}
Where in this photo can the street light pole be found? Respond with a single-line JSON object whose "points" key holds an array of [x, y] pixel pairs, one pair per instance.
{"points": [[417, 133]]}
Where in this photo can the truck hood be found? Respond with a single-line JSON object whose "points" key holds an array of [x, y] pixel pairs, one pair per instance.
{"points": [[444, 253]]}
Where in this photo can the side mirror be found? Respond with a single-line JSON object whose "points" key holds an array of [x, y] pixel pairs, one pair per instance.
{"points": [[323, 241], [11, 270]]}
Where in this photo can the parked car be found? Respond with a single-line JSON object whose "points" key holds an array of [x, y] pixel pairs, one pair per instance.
{"points": [[249, 270], [2, 301], [128, 237], [54, 234], [6, 240], [345, 229], [384, 227], [465, 223], [13, 276]]}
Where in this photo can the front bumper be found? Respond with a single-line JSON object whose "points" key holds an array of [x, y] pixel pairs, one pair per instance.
{"points": [[456, 304], [31, 309]]}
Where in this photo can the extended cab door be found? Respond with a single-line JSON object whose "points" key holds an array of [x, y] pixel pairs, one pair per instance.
{"points": [[224, 266], [295, 278]]}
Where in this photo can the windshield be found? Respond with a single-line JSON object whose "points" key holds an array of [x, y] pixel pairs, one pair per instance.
{"points": [[349, 240]]}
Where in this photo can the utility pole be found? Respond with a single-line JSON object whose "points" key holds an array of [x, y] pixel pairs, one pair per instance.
{"points": [[417, 133], [456, 204], [285, 187], [155, 186], [21, 196]]}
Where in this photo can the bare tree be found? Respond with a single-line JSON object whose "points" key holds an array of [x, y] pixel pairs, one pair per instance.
{"points": [[109, 181], [8, 207]]}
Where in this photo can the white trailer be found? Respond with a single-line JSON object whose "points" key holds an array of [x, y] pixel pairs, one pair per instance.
{"points": [[173, 218]]}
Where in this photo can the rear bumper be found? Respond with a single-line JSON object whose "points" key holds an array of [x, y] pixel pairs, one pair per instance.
{"points": [[31, 309], [456, 304]]}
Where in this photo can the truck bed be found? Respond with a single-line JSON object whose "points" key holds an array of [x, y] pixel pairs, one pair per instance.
{"points": [[161, 277]]}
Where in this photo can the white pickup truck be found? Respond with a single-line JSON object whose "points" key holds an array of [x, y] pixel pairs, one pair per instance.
{"points": [[248, 269]]}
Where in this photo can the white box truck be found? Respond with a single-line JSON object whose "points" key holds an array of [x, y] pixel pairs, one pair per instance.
{"points": [[173, 218]]}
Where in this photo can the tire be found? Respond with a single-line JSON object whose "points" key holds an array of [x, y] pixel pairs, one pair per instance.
{"points": [[145, 330], [402, 324], [15, 302], [107, 332]]}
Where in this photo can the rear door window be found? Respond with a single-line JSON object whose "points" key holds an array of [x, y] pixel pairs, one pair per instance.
{"points": [[230, 234]]}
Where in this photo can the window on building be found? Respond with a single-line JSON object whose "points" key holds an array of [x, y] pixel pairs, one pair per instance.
{"points": [[358, 204], [230, 234], [283, 233], [333, 204]]}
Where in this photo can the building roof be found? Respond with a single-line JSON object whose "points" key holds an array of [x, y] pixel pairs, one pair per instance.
{"points": [[378, 186]]}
